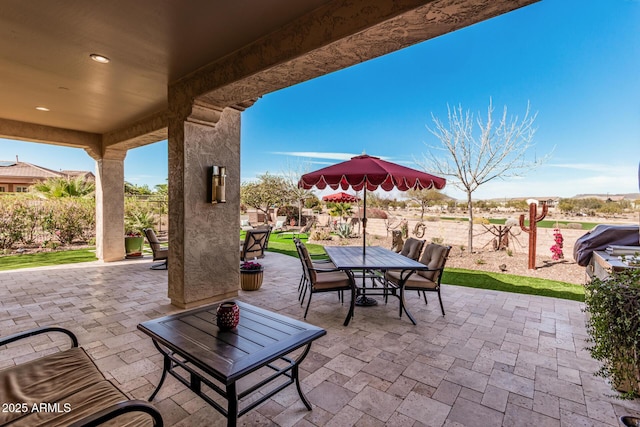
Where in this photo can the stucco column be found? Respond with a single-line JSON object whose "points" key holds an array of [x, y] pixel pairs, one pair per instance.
{"points": [[110, 206], [203, 237]]}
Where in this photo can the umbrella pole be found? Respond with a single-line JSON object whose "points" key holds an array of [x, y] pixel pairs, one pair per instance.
{"points": [[364, 222], [363, 300]]}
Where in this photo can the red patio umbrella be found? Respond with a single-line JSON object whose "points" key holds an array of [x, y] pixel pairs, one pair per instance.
{"points": [[369, 173], [340, 197]]}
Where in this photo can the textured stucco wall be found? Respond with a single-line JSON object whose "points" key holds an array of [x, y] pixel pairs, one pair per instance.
{"points": [[110, 208], [203, 243]]}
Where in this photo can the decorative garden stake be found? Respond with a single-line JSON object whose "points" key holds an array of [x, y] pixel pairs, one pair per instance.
{"points": [[534, 218]]}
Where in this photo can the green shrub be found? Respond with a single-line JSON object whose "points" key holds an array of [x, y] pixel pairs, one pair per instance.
{"points": [[10, 229], [291, 212], [70, 218], [613, 324]]}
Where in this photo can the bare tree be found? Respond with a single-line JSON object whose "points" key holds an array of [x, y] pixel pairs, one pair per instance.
{"points": [[291, 176], [497, 151]]}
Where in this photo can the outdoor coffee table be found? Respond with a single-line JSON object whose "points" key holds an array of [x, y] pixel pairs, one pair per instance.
{"points": [[205, 358]]}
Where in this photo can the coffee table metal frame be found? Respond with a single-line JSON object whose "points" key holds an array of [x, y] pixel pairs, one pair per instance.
{"points": [[201, 373]]}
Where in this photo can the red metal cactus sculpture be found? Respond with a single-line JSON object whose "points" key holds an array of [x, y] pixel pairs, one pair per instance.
{"points": [[532, 229]]}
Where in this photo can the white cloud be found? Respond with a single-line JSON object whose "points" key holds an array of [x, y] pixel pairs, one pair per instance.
{"points": [[321, 155], [317, 155], [593, 167]]}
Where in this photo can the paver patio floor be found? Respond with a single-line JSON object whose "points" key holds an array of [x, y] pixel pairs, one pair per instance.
{"points": [[495, 359]]}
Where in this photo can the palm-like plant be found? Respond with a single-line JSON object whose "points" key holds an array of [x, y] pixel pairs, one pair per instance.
{"points": [[342, 210], [53, 188]]}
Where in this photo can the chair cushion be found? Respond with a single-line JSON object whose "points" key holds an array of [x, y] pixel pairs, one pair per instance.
{"points": [[434, 257], [49, 379], [332, 280], [411, 248], [415, 280], [322, 264], [85, 402]]}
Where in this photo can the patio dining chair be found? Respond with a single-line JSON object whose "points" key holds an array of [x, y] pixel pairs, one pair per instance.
{"points": [[304, 279], [412, 248], [326, 280], [160, 253], [434, 257]]}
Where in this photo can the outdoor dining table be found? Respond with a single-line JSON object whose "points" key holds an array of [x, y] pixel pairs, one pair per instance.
{"points": [[374, 259]]}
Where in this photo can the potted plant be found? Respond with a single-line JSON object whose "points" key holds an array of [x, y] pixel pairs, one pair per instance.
{"points": [[613, 325], [137, 217], [251, 275], [133, 242]]}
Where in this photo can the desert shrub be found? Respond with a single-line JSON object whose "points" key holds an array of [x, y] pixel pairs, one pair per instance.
{"points": [[70, 218], [480, 261], [320, 235], [30, 213], [10, 229], [480, 220], [437, 240], [432, 219], [571, 226], [376, 213], [291, 212]]}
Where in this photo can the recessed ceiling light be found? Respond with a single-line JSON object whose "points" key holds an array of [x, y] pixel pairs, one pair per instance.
{"points": [[42, 109], [99, 58]]}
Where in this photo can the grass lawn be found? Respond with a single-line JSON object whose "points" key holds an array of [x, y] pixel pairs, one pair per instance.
{"points": [[545, 223], [511, 283], [14, 262]]}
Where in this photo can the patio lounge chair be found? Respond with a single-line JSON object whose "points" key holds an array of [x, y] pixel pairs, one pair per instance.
{"points": [[255, 242], [434, 257], [160, 253], [68, 378]]}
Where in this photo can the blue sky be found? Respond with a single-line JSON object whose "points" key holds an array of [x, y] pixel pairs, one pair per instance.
{"points": [[577, 62]]}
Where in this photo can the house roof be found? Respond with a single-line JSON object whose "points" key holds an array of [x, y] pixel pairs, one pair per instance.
{"points": [[29, 170]]}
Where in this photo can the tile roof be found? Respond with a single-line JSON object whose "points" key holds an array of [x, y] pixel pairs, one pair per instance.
{"points": [[28, 170]]}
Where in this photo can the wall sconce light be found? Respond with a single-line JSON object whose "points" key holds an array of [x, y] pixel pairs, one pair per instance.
{"points": [[217, 177]]}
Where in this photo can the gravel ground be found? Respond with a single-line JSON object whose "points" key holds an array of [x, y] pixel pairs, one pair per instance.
{"points": [[564, 270]]}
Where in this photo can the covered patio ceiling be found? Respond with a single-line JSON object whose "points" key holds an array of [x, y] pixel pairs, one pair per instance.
{"points": [[217, 53]]}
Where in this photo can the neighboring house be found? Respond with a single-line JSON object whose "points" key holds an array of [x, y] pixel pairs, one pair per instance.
{"points": [[17, 177]]}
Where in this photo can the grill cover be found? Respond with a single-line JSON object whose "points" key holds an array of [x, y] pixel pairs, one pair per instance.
{"points": [[602, 236]]}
